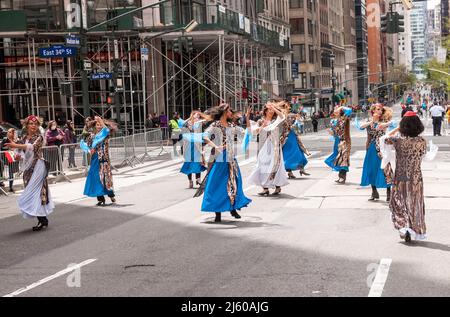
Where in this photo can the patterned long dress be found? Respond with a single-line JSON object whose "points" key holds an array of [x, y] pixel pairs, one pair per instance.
{"points": [[223, 189], [99, 181], [269, 171], [339, 160], [35, 200], [372, 173], [407, 202]]}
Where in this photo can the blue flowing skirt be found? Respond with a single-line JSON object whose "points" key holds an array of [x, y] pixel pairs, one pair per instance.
{"points": [[330, 161], [93, 186], [294, 158], [215, 197], [192, 161], [372, 173]]}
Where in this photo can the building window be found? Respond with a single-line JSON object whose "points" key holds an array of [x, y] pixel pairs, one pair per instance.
{"points": [[297, 26], [299, 53]]}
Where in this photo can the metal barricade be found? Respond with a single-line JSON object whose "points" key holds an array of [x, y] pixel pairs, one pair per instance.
{"points": [[117, 151], [9, 169], [52, 155], [155, 141], [140, 147], [73, 158], [130, 156]]}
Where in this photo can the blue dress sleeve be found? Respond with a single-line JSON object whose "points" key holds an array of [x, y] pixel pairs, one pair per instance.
{"points": [[100, 137], [348, 112], [84, 147]]}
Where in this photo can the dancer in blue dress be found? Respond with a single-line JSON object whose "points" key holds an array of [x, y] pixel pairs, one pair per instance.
{"points": [[339, 160], [293, 149], [194, 162], [223, 191], [99, 181], [373, 174]]}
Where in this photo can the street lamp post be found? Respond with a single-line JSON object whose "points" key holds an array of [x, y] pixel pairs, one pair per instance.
{"points": [[333, 78]]}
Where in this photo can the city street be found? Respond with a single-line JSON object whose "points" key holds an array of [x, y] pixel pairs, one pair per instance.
{"points": [[317, 239]]}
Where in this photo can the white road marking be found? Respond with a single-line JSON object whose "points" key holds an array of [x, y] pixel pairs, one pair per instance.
{"points": [[49, 278], [380, 279]]}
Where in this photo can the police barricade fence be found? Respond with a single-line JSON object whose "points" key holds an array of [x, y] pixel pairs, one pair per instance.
{"points": [[9, 170], [73, 158], [52, 155]]}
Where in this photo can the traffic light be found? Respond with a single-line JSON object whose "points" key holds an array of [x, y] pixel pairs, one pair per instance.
{"points": [[388, 23], [400, 25], [189, 44], [384, 23], [176, 46]]}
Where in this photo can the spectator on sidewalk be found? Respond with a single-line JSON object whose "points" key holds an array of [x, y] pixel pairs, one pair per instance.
{"points": [[7, 159], [315, 121], [149, 124], [54, 137], [175, 133], [69, 138]]}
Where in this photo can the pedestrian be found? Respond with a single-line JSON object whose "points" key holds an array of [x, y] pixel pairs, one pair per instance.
{"points": [[155, 119], [436, 112], [99, 181], [194, 161], [223, 189], [149, 124], [315, 121], [69, 139], [373, 174], [269, 171], [339, 160], [87, 130], [175, 132], [35, 200], [407, 203], [54, 136], [293, 149], [7, 159]]}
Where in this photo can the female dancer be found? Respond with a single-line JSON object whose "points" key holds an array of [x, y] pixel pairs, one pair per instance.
{"points": [[223, 183], [194, 162], [339, 160], [373, 174], [99, 181], [269, 171], [293, 149], [35, 200], [407, 203]]}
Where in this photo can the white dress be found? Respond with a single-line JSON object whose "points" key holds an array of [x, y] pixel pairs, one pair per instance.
{"points": [[30, 202], [269, 171]]}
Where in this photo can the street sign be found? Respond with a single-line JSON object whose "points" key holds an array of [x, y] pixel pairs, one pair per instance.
{"points": [[294, 67], [56, 51], [87, 65], [144, 53], [98, 76], [73, 40]]}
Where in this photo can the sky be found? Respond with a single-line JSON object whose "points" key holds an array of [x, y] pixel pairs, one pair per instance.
{"points": [[433, 3]]}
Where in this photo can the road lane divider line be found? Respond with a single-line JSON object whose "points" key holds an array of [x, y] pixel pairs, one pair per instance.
{"points": [[49, 278], [380, 279]]}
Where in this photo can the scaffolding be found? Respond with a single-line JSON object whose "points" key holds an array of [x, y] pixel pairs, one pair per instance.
{"points": [[243, 67]]}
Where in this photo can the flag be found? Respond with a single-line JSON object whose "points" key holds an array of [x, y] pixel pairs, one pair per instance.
{"points": [[10, 156]]}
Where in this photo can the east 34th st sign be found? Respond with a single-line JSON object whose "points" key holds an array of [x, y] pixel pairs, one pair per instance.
{"points": [[57, 51]]}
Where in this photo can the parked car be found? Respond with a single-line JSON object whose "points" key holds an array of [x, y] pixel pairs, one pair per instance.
{"points": [[5, 126]]}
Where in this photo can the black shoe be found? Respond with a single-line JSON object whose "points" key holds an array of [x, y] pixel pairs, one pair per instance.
{"points": [[265, 193], [388, 195], [277, 191], [407, 237], [218, 217], [291, 175], [235, 214], [11, 190], [40, 226], [113, 200], [302, 172], [375, 194], [101, 203]]}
